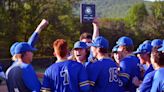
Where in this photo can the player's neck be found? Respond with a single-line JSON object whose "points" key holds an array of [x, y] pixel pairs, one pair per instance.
{"points": [[61, 59], [156, 66], [148, 63], [102, 56], [82, 61], [162, 66], [128, 54]]}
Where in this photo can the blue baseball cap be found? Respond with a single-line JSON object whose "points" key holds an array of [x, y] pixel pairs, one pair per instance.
{"points": [[147, 41], [100, 42], [144, 48], [80, 44], [115, 48], [12, 48], [23, 47], [124, 41], [157, 43], [162, 48]]}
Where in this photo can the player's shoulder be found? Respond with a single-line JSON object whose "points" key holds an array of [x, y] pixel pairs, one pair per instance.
{"points": [[94, 64], [66, 63], [103, 62], [151, 73], [149, 76], [161, 70], [130, 58], [74, 64], [109, 62], [14, 70], [23, 65], [159, 73]]}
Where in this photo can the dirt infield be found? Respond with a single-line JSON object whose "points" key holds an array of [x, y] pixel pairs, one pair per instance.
{"points": [[3, 87]]}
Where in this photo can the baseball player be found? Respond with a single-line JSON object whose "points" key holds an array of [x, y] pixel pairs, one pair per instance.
{"points": [[146, 84], [65, 75], [87, 38], [143, 53], [103, 74], [81, 53], [129, 65], [20, 76], [157, 58], [115, 55]]}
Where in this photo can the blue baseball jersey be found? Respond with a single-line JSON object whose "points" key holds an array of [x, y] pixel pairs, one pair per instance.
{"points": [[103, 76], [147, 82], [66, 76], [129, 68], [87, 64], [158, 81], [91, 58], [150, 69], [21, 77], [33, 39]]}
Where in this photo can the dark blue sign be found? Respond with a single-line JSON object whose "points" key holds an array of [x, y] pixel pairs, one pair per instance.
{"points": [[87, 13]]}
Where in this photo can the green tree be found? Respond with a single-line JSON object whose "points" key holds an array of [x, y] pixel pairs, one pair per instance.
{"points": [[153, 25], [136, 15], [19, 18], [134, 22]]}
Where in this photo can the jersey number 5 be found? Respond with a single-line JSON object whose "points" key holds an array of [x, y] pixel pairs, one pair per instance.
{"points": [[64, 74]]}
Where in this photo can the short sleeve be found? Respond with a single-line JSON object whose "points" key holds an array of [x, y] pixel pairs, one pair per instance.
{"points": [[30, 79], [47, 80], [33, 39], [158, 82], [124, 72], [93, 72], [83, 80], [147, 83]]}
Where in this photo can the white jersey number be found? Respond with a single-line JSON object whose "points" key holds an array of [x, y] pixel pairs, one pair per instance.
{"points": [[113, 75], [65, 74]]}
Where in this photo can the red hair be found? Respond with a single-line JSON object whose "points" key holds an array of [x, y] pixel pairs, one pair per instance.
{"points": [[60, 47]]}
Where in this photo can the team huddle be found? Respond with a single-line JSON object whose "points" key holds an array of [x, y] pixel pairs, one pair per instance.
{"points": [[89, 67]]}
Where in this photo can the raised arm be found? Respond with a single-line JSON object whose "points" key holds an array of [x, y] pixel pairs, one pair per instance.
{"points": [[34, 37], [41, 26], [95, 28]]}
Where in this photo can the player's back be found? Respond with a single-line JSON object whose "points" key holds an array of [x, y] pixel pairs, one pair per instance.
{"points": [[133, 63], [103, 75], [14, 80], [158, 81], [66, 76], [130, 67]]}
